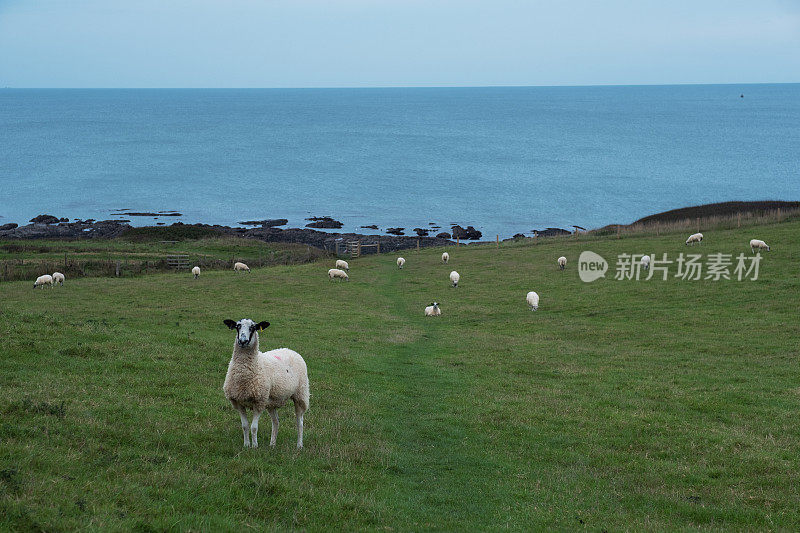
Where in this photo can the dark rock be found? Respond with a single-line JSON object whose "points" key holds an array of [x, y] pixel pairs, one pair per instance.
{"points": [[324, 223], [268, 223], [519, 236], [422, 232], [470, 233], [551, 232], [396, 231], [45, 219], [443, 235], [63, 220], [10, 225], [371, 226]]}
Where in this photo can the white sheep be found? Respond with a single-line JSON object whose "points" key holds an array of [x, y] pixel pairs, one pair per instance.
{"points": [[264, 380], [433, 310], [58, 277], [562, 262], [533, 300], [757, 243], [454, 277], [445, 257], [41, 281], [238, 267], [335, 273], [694, 238], [342, 264], [196, 272], [400, 262], [645, 261]]}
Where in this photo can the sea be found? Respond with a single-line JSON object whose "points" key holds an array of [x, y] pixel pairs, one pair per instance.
{"points": [[505, 160]]}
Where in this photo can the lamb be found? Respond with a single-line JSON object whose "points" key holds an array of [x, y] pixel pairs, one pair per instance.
{"points": [[454, 277], [562, 262], [694, 238], [41, 281], [400, 262], [433, 310], [264, 380], [645, 262], [757, 243], [342, 265], [238, 267], [533, 300], [58, 277], [196, 272], [335, 273], [445, 257]]}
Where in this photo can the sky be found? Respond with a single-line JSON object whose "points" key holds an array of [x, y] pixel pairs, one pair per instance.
{"points": [[369, 43]]}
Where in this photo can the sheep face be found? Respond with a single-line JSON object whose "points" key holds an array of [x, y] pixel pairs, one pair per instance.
{"points": [[246, 330]]}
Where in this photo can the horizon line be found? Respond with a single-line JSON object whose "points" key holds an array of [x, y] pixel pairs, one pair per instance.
{"points": [[512, 86]]}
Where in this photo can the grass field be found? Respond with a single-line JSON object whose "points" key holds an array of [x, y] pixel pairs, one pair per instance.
{"points": [[619, 405]]}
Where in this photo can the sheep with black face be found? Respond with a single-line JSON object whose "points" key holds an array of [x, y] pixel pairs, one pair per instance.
{"points": [[264, 380]]}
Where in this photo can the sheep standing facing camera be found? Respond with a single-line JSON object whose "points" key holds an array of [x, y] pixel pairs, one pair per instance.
{"points": [[264, 380], [533, 300], [645, 261], [342, 264], [445, 257], [400, 262], [759, 244], [562, 262], [433, 310], [241, 267], [58, 277], [41, 281], [694, 238], [196, 272], [455, 277], [335, 273]]}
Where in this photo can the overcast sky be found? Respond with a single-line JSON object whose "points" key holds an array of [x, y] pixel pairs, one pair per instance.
{"points": [[363, 43]]}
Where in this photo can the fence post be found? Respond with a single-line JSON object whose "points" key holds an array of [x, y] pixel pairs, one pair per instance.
{"points": [[417, 244], [359, 249], [498, 242], [739, 219], [118, 262], [618, 226], [779, 214], [458, 239], [698, 224], [379, 246]]}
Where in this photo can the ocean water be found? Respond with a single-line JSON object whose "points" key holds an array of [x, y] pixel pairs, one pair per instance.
{"points": [[505, 160]]}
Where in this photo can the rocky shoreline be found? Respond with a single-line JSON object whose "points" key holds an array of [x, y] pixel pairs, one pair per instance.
{"points": [[110, 229]]}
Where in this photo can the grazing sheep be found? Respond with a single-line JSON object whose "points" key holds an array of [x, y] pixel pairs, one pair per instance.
{"points": [[533, 300], [454, 277], [58, 277], [342, 265], [264, 380], [445, 257], [433, 310], [238, 267], [41, 281], [694, 238], [196, 272], [400, 262], [335, 273], [562, 262], [645, 262], [757, 243]]}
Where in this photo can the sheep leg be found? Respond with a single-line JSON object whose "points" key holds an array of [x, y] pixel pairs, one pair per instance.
{"points": [[254, 428], [273, 414], [245, 424], [298, 412]]}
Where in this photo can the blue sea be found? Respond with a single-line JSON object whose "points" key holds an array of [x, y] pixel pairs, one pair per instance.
{"points": [[505, 160]]}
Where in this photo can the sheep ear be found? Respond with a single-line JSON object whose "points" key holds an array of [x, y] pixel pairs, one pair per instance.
{"points": [[262, 325], [230, 323]]}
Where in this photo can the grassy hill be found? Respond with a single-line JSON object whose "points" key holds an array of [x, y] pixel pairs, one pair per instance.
{"points": [[619, 405]]}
